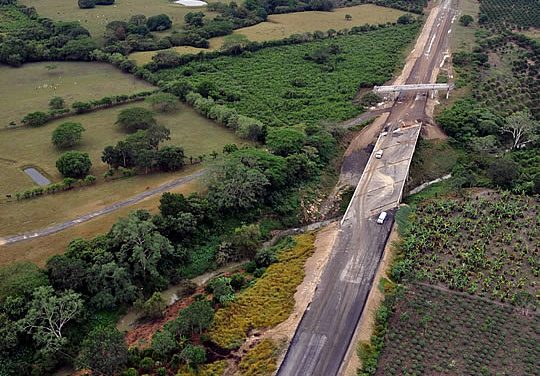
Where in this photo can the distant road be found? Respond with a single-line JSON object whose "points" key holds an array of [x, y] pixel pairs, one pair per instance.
{"points": [[324, 334], [106, 210]]}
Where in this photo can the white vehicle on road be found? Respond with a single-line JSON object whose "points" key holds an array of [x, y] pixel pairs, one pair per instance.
{"points": [[381, 218], [379, 154]]}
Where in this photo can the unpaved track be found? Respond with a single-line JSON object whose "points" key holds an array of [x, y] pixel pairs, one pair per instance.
{"points": [[327, 327], [98, 213]]}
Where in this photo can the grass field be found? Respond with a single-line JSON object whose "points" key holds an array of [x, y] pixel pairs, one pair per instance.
{"points": [[463, 38], [280, 26], [97, 18], [280, 87], [196, 134], [32, 86], [48, 210], [437, 332]]}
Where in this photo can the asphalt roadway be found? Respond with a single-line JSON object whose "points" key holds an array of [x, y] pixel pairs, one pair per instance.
{"points": [[323, 336], [108, 209]]}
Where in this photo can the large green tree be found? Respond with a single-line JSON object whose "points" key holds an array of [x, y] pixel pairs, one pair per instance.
{"points": [[159, 23], [67, 135], [236, 187], [135, 118], [285, 141], [48, 315], [74, 164], [140, 246], [104, 351]]}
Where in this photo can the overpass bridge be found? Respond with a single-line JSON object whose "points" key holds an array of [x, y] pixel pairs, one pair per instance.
{"points": [[398, 89]]}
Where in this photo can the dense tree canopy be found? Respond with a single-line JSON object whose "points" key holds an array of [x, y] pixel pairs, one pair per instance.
{"points": [[159, 23], [103, 351]]}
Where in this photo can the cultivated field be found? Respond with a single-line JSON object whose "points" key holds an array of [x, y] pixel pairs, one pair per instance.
{"points": [[280, 26], [193, 132], [97, 18], [279, 86], [32, 86], [11, 19], [436, 332], [485, 244]]}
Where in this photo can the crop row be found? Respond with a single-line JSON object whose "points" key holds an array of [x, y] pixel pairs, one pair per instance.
{"points": [[515, 14], [432, 331], [484, 245]]}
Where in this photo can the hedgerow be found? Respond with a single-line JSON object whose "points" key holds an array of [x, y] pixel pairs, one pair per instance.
{"points": [[268, 302]]}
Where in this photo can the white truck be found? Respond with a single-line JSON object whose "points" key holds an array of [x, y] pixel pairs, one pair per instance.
{"points": [[382, 217], [379, 154]]}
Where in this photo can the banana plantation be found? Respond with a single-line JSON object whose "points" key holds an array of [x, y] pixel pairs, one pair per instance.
{"points": [[485, 244]]}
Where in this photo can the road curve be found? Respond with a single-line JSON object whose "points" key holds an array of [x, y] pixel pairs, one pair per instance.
{"points": [[106, 210]]}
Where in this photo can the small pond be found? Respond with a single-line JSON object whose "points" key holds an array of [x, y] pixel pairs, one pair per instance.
{"points": [[191, 3], [37, 176]]}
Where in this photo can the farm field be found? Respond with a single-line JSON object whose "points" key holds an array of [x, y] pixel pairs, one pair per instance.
{"points": [[485, 244], [437, 332], [279, 86], [280, 26], [37, 83], [515, 14], [97, 18], [511, 82]]}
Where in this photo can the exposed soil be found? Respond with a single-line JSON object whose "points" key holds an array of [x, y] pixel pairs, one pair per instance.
{"points": [[141, 336], [357, 154]]}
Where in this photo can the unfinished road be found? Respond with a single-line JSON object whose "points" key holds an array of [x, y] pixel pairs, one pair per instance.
{"points": [[324, 334]]}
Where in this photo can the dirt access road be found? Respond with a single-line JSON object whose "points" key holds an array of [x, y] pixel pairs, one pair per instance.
{"points": [[327, 327], [95, 214]]}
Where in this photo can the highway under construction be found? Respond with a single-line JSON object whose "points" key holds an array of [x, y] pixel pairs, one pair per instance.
{"points": [[324, 334]]}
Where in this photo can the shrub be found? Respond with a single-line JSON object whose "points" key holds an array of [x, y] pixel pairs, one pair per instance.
{"points": [[36, 119], [146, 364], [74, 164], [163, 102], [81, 107], [153, 307], [57, 103], [87, 4]]}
